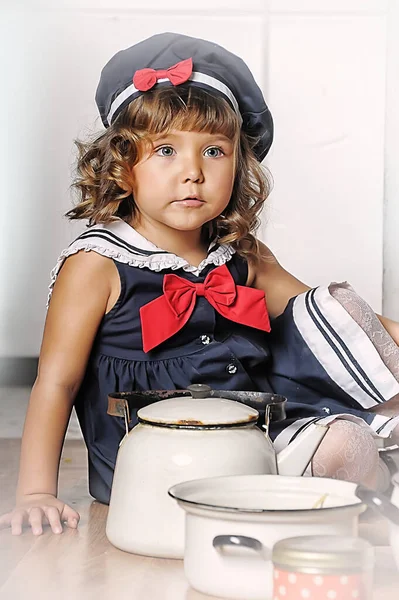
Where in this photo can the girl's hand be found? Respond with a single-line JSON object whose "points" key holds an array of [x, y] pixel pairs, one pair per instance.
{"points": [[36, 510]]}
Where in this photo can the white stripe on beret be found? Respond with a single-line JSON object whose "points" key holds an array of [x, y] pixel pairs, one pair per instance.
{"points": [[195, 76]]}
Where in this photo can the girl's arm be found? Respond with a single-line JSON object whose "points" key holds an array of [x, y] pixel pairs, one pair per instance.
{"points": [[84, 288], [277, 283]]}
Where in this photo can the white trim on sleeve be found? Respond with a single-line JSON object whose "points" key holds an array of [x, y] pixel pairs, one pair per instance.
{"points": [[342, 348]]}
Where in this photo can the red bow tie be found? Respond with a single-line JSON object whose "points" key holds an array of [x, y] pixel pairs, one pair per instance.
{"points": [[163, 317], [145, 79]]}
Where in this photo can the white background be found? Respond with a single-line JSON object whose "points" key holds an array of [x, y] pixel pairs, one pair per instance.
{"points": [[329, 72]]}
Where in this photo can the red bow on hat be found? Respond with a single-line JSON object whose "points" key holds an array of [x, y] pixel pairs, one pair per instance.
{"points": [[145, 79], [163, 317]]}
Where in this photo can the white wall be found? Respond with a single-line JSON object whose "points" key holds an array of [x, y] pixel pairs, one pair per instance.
{"points": [[322, 67], [327, 90], [391, 213]]}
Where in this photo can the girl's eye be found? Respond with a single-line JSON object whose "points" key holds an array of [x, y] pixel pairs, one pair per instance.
{"points": [[214, 152], [164, 151]]}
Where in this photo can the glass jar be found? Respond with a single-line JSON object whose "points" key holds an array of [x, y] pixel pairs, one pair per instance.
{"points": [[323, 567]]}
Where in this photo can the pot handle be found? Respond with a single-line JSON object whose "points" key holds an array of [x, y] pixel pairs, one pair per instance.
{"points": [[379, 503], [220, 541]]}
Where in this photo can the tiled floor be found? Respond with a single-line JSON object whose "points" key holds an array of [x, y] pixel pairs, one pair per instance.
{"points": [[13, 404]]}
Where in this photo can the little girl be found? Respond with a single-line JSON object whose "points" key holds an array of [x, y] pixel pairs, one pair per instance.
{"points": [[167, 286]]}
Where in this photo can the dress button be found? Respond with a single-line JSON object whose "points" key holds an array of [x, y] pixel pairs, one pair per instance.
{"points": [[205, 339], [231, 369]]}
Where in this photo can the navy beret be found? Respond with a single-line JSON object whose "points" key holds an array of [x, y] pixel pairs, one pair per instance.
{"points": [[164, 59]]}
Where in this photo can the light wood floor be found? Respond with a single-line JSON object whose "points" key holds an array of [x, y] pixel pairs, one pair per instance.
{"points": [[83, 565]]}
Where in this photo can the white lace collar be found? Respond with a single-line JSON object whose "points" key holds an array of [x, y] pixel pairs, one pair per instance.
{"points": [[120, 241]]}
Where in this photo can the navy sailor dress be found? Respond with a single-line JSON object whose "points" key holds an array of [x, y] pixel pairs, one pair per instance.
{"points": [[315, 354]]}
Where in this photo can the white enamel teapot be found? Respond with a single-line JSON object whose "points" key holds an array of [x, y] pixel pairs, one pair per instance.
{"points": [[191, 434]]}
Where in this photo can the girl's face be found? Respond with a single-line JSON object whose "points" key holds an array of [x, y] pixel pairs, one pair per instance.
{"points": [[183, 182]]}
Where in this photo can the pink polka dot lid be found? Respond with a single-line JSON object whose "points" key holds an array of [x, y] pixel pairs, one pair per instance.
{"points": [[323, 568]]}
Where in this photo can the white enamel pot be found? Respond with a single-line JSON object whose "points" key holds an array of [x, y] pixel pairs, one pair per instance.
{"points": [[232, 524]]}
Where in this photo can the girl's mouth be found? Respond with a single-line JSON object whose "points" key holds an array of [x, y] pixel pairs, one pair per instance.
{"points": [[190, 201]]}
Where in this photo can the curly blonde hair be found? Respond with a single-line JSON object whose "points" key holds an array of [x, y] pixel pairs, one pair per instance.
{"points": [[105, 162]]}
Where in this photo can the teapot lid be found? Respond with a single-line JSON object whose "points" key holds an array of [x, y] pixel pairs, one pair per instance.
{"points": [[198, 413]]}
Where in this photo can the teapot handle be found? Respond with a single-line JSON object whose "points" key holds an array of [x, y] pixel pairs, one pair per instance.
{"points": [[119, 407]]}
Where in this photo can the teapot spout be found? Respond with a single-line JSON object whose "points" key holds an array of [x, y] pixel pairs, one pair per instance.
{"points": [[294, 459]]}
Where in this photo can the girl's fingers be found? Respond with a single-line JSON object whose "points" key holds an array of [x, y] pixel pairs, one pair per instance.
{"points": [[71, 517], [36, 515], [73, 522], [16, 521], [53, 518]]}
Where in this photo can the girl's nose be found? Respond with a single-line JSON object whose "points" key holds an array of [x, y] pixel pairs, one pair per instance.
{"points": [[192, 171]]}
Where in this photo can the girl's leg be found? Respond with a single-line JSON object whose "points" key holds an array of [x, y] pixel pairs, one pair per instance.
{"points": [[348, 452], [327, 338], [386, 347], [366, 318]]}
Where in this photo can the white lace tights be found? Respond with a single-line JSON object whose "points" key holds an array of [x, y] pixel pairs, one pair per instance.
{"points": [[348, 452], [364, 316]]}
